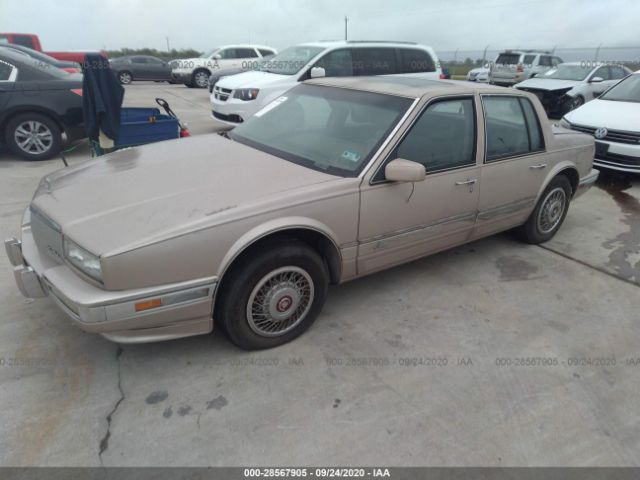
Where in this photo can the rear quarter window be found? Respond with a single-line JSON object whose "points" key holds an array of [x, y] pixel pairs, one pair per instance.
{"points": [[413, 60]]}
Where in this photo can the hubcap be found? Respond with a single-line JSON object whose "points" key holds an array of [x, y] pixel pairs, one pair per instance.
{"points": [[280, 301], [33, 137], [202, 80], [125, 78], [552, 210]]}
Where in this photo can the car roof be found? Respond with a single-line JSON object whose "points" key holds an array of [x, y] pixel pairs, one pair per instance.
{"points": [[406, 86], [13, 54], [246, 45], [361, 43]]}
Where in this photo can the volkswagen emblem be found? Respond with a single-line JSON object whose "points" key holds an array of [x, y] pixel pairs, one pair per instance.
{"points": [[600, 132]]}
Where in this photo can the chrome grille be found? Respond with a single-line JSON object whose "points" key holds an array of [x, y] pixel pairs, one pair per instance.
{"points": [[48, 235], [221, 94], [612, 135]]}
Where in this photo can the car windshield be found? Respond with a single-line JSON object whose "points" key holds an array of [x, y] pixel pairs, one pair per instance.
{"points": [[568, 72], [209, 53], [334, 130], [628, 90], [291, 60]]}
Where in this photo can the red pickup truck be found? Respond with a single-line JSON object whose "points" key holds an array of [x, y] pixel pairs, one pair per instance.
{"points": [[32, 41]]}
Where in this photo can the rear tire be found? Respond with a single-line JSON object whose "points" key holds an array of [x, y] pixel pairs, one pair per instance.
{"points": [[550, 212], [125, 78], [200, 79], [273, 296], [33, 136]]}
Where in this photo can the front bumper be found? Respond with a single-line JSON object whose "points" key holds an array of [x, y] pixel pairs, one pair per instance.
{"points": [[184, 309], [586, 182], [619, 157], [233, 111]]}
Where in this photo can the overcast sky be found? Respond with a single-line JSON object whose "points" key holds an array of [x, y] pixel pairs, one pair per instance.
{"points": [[204, 24]]}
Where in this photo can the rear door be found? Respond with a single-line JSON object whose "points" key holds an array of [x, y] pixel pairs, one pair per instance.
{"points": [[140, 68], [515, 163]]}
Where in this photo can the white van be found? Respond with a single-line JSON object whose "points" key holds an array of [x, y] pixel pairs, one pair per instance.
{"points": [[237, 97]]}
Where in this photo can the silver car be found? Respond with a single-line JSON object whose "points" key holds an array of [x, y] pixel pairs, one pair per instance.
{"points": [[571, 85]]}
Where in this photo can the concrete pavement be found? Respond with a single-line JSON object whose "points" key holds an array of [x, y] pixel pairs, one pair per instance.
{"points": [[495, 353]]}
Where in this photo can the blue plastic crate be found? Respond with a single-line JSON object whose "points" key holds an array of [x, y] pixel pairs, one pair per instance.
{"points": [[145, 125]]}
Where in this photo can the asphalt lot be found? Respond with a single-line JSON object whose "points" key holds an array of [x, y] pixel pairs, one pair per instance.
{"points": [[424, 364]]}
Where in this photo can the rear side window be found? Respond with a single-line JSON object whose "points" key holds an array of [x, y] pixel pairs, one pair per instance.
{"points": [[374, 61], [617, 73], [338, 63], [415, 61], [139, 60], [23, 40], [246, 53], [511, 126], [508, 59]]}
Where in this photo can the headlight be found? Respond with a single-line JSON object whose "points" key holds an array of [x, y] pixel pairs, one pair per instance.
{"points": [[246, 94], [83, 260]]}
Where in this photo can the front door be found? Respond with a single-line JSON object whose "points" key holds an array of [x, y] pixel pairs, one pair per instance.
{"points": [[403, 221]]}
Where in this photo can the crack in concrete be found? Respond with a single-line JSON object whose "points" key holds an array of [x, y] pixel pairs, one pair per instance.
{"points": [[104, 443]]}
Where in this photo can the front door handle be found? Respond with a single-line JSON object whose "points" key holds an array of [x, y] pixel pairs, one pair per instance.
{"points": [[471, 181], [538, 167]]}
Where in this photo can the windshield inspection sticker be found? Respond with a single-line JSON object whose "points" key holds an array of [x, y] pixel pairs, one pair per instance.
{"points": [[271, 106], [351, 156]]}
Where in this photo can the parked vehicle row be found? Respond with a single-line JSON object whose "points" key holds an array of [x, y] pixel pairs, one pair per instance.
{"points": [[32, 41], [513, 66], [336, 179]]}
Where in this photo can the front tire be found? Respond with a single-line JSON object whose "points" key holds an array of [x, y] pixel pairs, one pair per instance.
{"points": [[550, 212], [200, 79], [33, 136], [273, 296]]}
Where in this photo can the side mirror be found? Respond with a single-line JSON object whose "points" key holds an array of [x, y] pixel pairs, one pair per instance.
{"points": [[318, 72], [533, 75], [217, 56], [401, 170], [597, 80]]}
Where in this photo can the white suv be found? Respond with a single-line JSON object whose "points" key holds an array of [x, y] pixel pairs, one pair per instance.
{"points": [[514, 66], [237, 97], [195, 72]]}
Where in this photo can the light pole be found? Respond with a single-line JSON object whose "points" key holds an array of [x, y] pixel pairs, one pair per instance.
{"points": [[346, 23], [168, 47]]}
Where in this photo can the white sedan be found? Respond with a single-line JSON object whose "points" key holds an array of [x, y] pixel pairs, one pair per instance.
{"points": [[480, 74], [571, 85], [614, 120]]}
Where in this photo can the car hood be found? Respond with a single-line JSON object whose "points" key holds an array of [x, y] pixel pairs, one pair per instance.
{"points": [[607, 113], [253, 79], [548, 84], [139, 195]]}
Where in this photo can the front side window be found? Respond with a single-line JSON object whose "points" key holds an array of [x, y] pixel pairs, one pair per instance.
{"points": [[413, 60], [139, 60], [228, 54], [444, 137], [338, 63], [291, 60], [603, 73], [333, 130], [511, 127], [374, 61], [628, 90]]}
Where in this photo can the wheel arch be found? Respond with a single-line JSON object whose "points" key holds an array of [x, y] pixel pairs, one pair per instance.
{"points": [[315, 234], [566, 169]]}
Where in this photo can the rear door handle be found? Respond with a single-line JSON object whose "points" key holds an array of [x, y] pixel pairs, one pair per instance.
{"points": [[471, 181], [538, 167]]}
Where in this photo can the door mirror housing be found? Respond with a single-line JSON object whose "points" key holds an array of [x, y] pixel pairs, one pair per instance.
{"points": [[318, 72], [597, 80], [217, 56], [401, 170]]}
